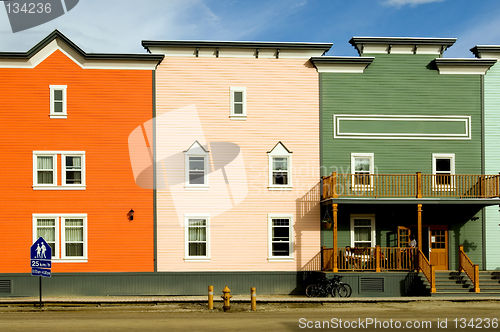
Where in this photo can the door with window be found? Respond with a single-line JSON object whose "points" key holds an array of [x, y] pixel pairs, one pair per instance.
{"points": [[439, 247]]}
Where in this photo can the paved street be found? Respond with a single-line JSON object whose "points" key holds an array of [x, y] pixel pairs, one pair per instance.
{"points": [[416, 316]]}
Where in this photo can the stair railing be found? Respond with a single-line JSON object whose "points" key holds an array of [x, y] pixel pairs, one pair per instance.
{"points": [[427, 269], [466, 265]]}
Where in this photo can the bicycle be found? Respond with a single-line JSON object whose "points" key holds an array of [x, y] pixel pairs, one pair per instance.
{"points": [[324, 286], [338, 283]]}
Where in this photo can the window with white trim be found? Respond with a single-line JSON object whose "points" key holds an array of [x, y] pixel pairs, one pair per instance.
{"points": [[238, 103], [45, 170], [58, 107], [280, 168], [280, 230], [443, 167], [362, 231], [197, 237], [65, 233], [362, 166], [196, 167]]}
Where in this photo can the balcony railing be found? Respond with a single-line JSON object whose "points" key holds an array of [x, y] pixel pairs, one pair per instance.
{"points": [[371, 259], [471, 269], [411, 185]]}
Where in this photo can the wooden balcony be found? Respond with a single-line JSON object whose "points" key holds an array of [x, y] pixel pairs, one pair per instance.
{"points": [[411, 185], [370, 259]]}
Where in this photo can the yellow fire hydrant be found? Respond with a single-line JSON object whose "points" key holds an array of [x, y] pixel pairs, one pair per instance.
{"points": [[226, 296]]}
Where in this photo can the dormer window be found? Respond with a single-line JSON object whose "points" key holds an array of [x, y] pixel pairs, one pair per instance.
{"points": [[58, 109], [280, 168]]}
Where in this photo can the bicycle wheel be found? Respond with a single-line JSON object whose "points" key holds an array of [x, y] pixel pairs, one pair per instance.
{"points": [[342, 291], [332, 290], [349, 289], [312, 290]]}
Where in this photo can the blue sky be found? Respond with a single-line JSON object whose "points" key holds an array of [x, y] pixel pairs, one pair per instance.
{"points": [[118, 26]]}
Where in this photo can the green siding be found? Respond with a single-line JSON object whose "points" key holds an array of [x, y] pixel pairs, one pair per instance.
{"points": [[463, 227], [405, 85], [400, 85], [492, 161]]}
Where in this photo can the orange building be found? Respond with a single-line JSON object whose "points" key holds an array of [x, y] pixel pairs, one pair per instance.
{"points": [[65, 165]]}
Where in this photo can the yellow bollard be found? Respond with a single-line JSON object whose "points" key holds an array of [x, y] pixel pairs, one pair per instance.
{"points": [[226, 297], [253, 298], [210, 297]]}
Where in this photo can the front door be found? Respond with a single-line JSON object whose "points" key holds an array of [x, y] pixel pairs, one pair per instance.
{"points": [[439, 247]]}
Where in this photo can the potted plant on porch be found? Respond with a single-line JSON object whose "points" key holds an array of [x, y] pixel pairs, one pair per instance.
{"points": [[327, 223]]}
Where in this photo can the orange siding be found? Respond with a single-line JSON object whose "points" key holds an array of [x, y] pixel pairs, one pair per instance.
{"points": [[103, 107]]}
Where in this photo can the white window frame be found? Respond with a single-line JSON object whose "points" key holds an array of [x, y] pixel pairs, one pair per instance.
{"points": [[270, 218], [55, 185], [59, 254], [371, 156], [372, 226], [196, 150], [188, 258], [280, 151], [53, 113], [233, 115], [443, 187], [52, 185], [64, 170]]}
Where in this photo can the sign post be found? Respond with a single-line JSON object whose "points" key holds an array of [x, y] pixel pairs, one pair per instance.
{"points": [[41, 261]]}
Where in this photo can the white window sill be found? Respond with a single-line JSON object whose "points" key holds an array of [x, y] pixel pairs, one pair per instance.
{"points": [[280, 188], [238, 117], [194, 188], [59, 187], [58, 116], [280, 259], [197, 259]]}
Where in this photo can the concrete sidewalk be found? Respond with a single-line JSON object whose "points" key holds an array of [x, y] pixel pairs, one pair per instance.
{"points": [[151, 300]]}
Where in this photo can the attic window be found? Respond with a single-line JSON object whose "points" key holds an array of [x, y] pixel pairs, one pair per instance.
{"points": [[58, 108]]}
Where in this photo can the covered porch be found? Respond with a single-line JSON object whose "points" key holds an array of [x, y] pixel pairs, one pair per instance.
{"points": [[460, 196]]}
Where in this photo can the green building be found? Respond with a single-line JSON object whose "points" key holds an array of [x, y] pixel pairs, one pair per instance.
{"points": [[491, 90], [402, 155]]}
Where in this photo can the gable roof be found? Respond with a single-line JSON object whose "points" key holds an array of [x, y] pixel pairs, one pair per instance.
{"points": [[14, 59]]}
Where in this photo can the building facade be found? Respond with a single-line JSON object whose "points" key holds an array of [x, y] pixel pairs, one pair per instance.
{"points": [[237, 137], [68, 115], [491, 149], [402, 146]]}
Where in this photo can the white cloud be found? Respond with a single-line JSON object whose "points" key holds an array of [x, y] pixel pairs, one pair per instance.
{"points": [[485, 31], [399, 3]]}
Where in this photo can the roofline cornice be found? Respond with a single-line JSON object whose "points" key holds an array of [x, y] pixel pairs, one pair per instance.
{"points": [[236, 44], [476, 50], [56, 34], [335, 60], [465, 62], [402, 41], [466, 66], [360, 42], [330, 64]]}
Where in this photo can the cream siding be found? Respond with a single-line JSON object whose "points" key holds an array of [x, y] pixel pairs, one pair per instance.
{"points": [[193, 103]]}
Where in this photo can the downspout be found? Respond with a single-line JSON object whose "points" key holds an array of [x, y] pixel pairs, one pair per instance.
{"points": [[483, 168], [155, 233]]}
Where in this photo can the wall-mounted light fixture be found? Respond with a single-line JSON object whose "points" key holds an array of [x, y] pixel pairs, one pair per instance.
{"points": [[130, 215]]}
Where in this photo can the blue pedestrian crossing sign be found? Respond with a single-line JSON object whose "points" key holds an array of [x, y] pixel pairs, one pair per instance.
{"points": [[41, 258]]}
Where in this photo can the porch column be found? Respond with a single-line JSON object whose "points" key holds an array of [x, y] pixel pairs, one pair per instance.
{"points": [[419, 226], [335, 258]]}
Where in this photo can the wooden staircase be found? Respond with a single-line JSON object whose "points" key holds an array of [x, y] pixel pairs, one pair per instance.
{"points": [[489, 282], [453, 283]]}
